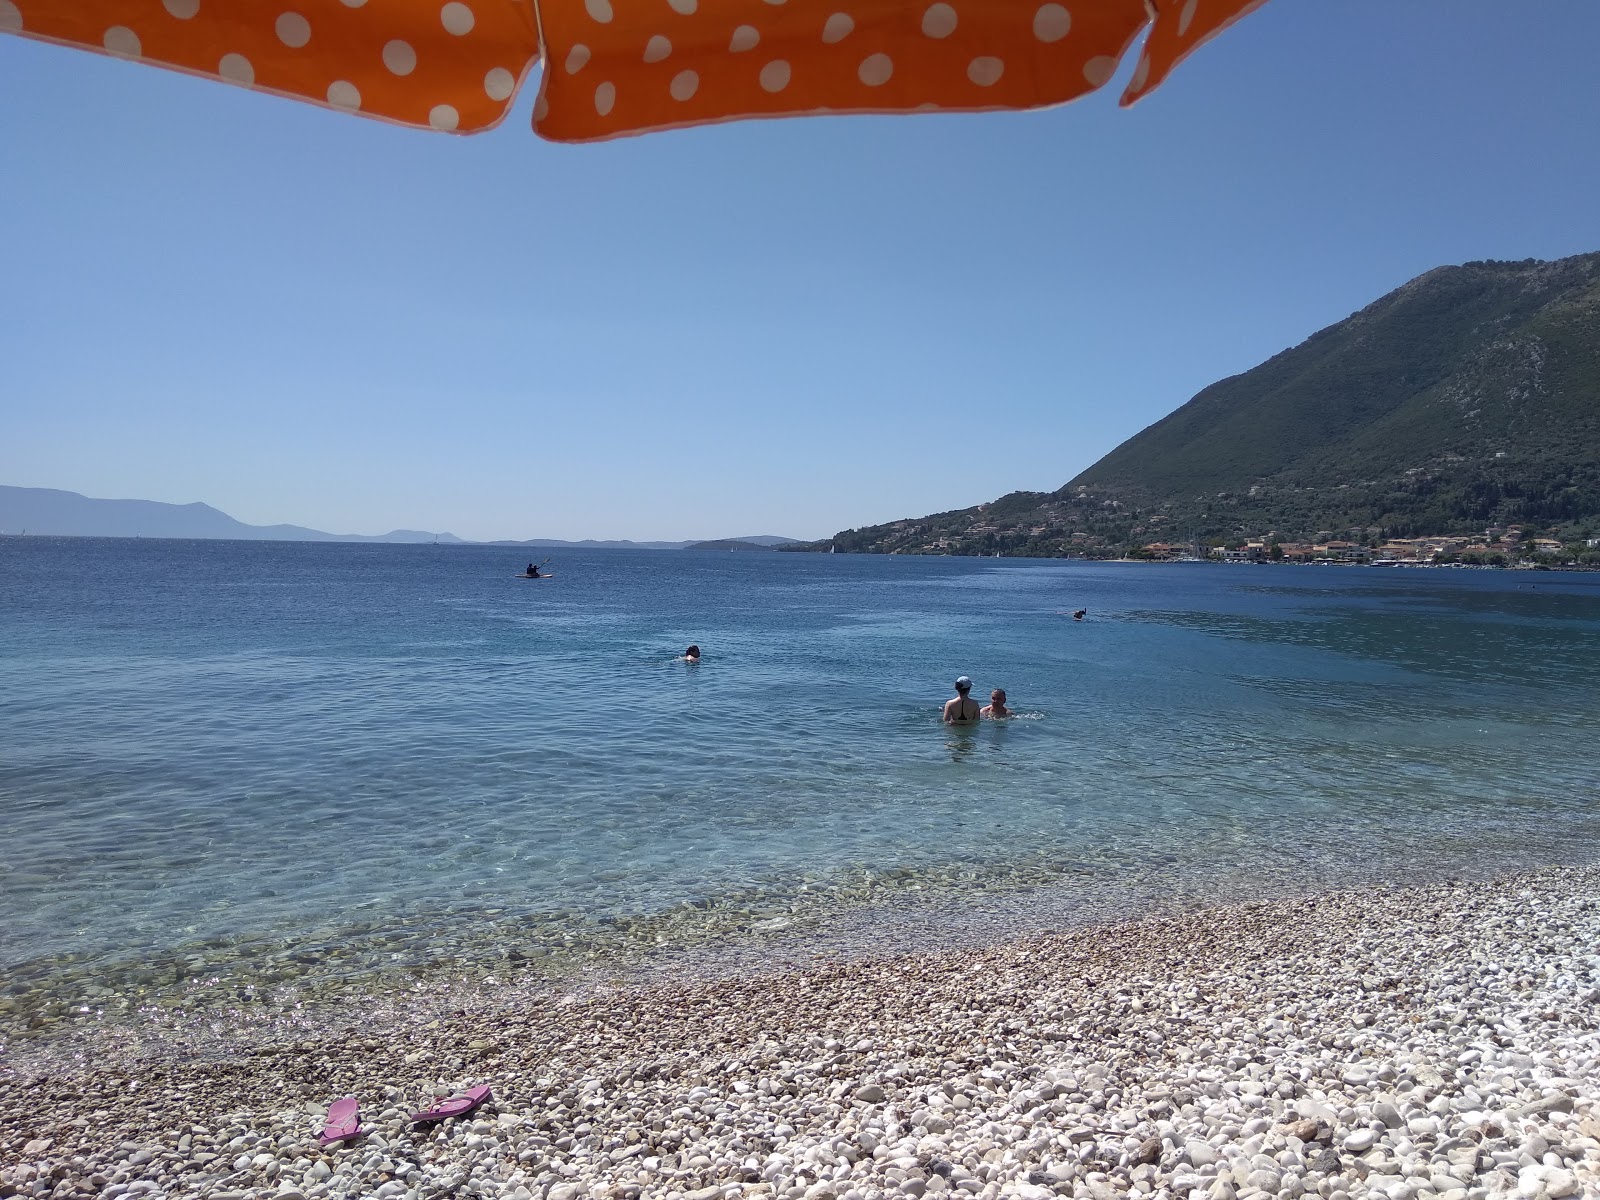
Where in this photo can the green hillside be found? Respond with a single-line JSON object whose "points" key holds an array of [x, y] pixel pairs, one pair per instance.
{"points": [[1468, 397]]}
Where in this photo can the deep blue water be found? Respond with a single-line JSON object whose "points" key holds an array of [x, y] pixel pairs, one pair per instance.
{"points": [[211, 740]]}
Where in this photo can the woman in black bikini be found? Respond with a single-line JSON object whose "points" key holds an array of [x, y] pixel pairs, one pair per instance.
{"points": [[962, 710]]}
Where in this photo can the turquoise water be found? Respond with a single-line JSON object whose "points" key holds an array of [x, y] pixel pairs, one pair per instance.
{"points": [[207, 743]]}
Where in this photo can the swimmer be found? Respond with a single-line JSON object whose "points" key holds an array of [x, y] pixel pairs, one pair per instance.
{"points": [[962, 710], [692, 654], [996, 709]]}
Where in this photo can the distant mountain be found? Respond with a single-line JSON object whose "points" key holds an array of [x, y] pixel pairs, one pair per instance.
{"points": [[1468, 398], [58, 513], [68, 514]]}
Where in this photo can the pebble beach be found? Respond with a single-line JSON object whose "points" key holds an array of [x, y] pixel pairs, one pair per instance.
{"points": [[1404, 1043]]}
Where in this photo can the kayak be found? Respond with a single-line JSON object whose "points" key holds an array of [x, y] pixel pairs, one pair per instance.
{"points": [[525, 575]]}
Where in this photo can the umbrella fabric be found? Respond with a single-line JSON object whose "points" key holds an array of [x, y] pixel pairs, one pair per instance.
{"points": [[690, 63], [617, 67], [452, 66], [1180, 28]]}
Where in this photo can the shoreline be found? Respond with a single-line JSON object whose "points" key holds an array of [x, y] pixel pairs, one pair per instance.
{"points": [[1409, 1043], [207, 997]]}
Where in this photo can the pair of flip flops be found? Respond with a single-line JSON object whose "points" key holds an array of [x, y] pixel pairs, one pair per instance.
{"points": [[344, 1115]]}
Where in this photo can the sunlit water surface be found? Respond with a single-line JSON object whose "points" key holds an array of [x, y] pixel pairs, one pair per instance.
{"points": [[207, 745]]}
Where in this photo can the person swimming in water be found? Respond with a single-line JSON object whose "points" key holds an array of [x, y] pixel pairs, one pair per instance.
{"points": [[963, 710], [692, 654], [996, 709]]}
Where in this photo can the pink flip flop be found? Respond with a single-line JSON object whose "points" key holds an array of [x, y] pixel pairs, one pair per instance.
{"points": [[458, 1105], [343, 1123]]}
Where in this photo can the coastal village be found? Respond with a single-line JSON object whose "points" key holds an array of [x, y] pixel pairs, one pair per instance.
{"points": [[1496, 546], [1500, 546]]}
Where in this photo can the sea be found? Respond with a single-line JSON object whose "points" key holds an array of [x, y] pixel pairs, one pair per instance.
{"points": [[258, 766]]}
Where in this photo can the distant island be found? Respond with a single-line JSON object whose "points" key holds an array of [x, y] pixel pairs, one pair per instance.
{"points": [[1456, 419], [761, 541], [741, 544], [55, 513]]}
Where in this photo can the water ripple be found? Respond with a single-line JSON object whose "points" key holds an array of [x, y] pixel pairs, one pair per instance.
{"points": [[246, 745]]}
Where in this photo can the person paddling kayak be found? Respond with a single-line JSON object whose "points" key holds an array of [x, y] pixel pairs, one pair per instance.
{"points": [[533, 570]]}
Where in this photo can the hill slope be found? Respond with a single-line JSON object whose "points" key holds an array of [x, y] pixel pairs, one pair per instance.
{"points": [[1468, 397]]}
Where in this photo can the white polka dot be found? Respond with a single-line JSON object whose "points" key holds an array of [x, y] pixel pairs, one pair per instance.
{"points": [[352, 3], [684, 7], [541, 107], [746, 37], [236, 68], [684, 85], [499, 83], [443, 116], [939, 21], [1099, 69], [344, 94], [10, 17], [457, 18], [600, 10], [985, 71], [875, 70], [577, 58], [839, 27], [656, 49], [294, 30], [399, 57], [184, 10], [605, 98], [1186, 17], [1051, 23], [1141, 74], [775, 75], [121, 40]]}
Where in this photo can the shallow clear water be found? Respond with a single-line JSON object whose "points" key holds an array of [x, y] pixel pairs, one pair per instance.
{"points": [[208, 742]]}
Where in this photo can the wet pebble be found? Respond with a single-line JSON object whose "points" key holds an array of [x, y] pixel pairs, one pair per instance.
{"points": [[1431, 1048]]}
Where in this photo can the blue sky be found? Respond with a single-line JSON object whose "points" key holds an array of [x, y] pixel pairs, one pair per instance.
{"points": [[769, 327]]}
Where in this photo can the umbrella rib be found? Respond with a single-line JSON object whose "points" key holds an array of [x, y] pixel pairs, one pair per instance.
{"points": [[538, 25]]}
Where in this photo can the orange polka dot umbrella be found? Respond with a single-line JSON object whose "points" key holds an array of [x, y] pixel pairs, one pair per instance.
{"points": [[617, 67]]}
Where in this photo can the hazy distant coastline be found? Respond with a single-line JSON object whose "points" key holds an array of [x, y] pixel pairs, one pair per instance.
{"points": [[56, 513]]}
